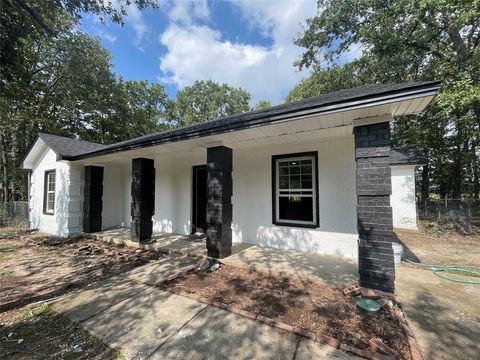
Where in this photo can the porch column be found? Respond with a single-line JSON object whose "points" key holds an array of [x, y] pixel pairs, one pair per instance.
{"points": [[219, 201], [374, 214], [93, 203], [143, 198]]}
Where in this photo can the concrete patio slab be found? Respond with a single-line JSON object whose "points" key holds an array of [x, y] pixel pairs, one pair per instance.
{"points": [[444, 315], [144, 322], [335, 271], [87, 302], [158, 270], [167, 243]]}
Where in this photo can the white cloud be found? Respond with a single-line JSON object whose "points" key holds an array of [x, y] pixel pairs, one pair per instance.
{"points": [[107, 36], [199, 52], [186, 12]]}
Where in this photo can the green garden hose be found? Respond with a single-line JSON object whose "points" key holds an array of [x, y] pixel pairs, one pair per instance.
{"points": [[438, 270]]}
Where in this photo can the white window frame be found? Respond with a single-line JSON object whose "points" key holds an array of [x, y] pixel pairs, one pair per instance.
{"points": [[313, 190], [48, 173]]}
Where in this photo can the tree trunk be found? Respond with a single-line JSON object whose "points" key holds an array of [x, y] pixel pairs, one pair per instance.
{"points": [[425, 186], [5, 184]]}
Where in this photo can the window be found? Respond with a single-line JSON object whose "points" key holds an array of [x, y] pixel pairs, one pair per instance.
{"points": [[295, 198], [49, 192]]}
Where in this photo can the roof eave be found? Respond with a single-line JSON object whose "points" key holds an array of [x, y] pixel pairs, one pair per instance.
{"points": [[430, 89]]}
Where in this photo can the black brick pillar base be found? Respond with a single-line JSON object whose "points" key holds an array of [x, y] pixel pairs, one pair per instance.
{"points": [[143, 198], [374, 214], [219, 201], [93, 204]]}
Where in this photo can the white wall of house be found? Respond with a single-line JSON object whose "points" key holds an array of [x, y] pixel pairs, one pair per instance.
{"points": [[252, 199], [173, 192], [67, 217], [113, 195], [403, 197]]}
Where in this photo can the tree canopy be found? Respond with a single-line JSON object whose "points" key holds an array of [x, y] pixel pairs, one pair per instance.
{"points": [[409, 40], [208, 100]]}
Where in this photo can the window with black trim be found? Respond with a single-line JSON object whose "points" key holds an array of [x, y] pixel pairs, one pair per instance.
{"points": [[49, 192], [295, 195]]}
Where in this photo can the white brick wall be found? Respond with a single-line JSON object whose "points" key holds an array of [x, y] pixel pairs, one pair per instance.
{"points": [[252, 200], [67, 217]]}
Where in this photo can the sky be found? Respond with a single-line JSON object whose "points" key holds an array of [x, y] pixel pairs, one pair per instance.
{"points": [[244, 43]]}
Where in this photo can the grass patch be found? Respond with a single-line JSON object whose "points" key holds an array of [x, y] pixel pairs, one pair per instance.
{"points": [[41, 333], [6, 273]]}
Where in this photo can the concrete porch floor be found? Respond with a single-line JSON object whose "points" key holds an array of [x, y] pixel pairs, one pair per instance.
{"points": [[168, 243], [334, 270]]}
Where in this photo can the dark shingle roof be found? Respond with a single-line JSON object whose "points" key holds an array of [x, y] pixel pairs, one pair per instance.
{"points": [[70, 149], [66, 147], [407, 155]]}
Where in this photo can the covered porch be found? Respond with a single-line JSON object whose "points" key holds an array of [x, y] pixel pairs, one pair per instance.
{"points": [[314, 180], [335, 271]]}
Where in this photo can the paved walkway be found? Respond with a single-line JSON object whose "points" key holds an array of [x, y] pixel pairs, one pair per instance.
{"points": [[444, 315], [127, 312]]}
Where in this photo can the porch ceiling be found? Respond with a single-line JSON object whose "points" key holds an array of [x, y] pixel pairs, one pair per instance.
{"points": [[336, 124]]}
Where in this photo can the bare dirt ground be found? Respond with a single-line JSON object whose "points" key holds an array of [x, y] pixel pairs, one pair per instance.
{"points": [[35, 268], [310, 305], [37, 332], [434, 245]]}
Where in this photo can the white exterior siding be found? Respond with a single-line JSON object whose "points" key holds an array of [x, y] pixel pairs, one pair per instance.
{"points": [[113, 196], [173, 192], [403, 197], [67, 217], [252, 200]]}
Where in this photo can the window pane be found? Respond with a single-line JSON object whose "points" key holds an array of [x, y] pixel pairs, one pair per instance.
{"points": [[306, 169], [283, 183], [306, 184], [295, 170], [296, 208], [283, 170], [283, 163]]}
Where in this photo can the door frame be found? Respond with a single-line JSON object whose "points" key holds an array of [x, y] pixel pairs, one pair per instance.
{"points": [[195, 168]]}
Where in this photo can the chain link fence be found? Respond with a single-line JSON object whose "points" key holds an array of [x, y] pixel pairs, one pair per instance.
{"points": [[14, 214], [461, 214]]}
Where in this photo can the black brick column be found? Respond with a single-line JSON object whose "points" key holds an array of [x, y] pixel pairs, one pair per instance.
{"points": [[374, 214], [93, 204], [143, 198], [219, 201]]}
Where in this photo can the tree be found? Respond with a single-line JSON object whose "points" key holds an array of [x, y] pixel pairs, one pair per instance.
{"points": [[208, 100], [73, 92], [25, 22], [262, 104], [323, 81], [138, 108], [409, 40]]}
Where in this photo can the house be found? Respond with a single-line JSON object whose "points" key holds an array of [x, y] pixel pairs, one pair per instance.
{"points": [[403, 161], [312, 175]]}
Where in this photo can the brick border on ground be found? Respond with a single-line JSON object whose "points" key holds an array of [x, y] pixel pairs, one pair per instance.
{"points": [[375, 352]]}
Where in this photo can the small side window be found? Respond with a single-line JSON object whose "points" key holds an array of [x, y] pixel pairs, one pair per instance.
{"points": [[49, 192]]}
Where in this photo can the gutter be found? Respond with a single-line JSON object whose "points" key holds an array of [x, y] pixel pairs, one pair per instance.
{"points": [[424, 90]]}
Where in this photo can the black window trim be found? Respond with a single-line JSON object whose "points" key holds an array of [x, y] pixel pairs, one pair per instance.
{"points": [[45, 185], [313, 154]]}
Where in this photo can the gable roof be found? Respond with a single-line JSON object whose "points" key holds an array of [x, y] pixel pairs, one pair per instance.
{"points": [[407, 155], [62, 146], [66, 147]]}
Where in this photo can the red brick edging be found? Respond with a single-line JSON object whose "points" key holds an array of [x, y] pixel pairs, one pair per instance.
{"points": [[412, 340], [373, 353]]}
